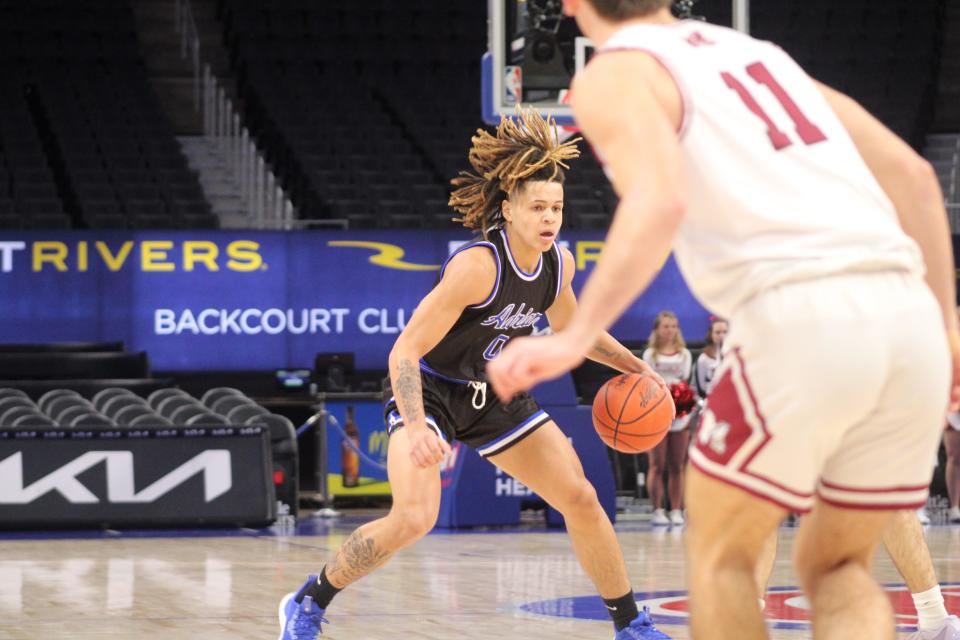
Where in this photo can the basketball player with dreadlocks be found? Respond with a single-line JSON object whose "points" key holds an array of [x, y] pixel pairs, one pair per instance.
{"points": [[488, 292]]}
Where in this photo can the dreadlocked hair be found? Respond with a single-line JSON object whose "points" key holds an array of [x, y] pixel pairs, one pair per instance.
{"points": [[522, 150]]}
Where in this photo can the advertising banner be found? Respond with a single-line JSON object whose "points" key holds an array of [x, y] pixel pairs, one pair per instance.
{"points": [[349, 474], [133, 477], [250, 300]]}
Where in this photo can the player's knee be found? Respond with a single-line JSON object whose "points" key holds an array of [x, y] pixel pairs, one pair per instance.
{"points": [[579, 498], [720, 547], [412, 523], [813, 575], [711, 556], [813, 567]]}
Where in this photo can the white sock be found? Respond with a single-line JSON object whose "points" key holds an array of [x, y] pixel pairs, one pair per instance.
{"points": [[931, 613]]}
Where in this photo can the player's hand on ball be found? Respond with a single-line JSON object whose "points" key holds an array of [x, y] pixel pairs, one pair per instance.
{"points": [[524, 362], [427, 449], [647, 370]]}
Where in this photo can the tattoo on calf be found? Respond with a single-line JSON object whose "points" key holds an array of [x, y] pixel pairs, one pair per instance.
{"points": [[357, 557], [409, 390]]}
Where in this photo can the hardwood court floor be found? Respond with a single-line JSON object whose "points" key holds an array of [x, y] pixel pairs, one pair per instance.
{"points": [[449, 586]]}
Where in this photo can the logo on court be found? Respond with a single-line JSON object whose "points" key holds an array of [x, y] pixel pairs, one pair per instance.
{"points": [[786, 607]]}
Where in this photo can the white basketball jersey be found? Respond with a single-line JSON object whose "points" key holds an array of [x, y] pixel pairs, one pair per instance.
{"points": [[777, 190]]}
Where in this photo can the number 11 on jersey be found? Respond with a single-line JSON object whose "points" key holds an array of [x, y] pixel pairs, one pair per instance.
{"points": [[809, 133]]}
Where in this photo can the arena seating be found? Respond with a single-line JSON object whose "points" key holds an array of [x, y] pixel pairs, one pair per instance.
{"points": [[352, 132], [363, 137], [85, 367], [65, 408], [943, 151], [28, 193], [80, 365], [884, 54], [374, 139], [83, 141], [60, 347]]}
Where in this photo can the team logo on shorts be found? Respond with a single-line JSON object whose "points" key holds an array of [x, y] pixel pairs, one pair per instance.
{"points": [[786, 607]]}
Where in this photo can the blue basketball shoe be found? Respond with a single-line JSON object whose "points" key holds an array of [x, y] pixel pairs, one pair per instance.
{"points": [[300, 620], [641, 629]]}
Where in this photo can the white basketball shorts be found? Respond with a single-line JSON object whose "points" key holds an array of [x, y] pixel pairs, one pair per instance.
{"points": [[835, 388]]}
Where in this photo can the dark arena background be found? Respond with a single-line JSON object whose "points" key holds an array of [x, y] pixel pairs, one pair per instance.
{"points": [[216, 217]]}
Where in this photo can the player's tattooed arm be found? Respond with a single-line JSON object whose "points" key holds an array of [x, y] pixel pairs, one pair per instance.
{"points": [[358, 556], [610, 352], [409, 391], [599, 350], [613, 354]]}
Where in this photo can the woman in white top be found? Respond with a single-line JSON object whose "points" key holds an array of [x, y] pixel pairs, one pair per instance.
{"points": [[709, 360], [668, 355]]}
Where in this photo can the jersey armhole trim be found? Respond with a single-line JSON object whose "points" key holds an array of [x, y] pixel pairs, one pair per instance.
{"points": [[686, 101], [496, 259], [556, 248]]}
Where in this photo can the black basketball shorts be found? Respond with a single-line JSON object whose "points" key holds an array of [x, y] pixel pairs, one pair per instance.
{"points": [[452, 411]]}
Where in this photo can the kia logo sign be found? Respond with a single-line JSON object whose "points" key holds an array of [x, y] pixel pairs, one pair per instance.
{"points": [[215, 465]]}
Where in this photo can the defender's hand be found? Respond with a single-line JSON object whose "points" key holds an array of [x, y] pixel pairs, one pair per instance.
{"points": [[524, 362]]}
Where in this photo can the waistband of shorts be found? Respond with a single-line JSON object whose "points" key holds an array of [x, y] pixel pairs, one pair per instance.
{"points": [[426, 368], [849, 273]]}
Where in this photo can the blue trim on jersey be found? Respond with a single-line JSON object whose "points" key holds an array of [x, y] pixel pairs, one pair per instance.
{"points": [[496, 258], [396, 422], [428, 369], [513, 263], [491, 447], [560, 269]]}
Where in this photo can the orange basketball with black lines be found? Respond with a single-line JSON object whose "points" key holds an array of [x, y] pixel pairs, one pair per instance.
{"points": [[633, 412]]}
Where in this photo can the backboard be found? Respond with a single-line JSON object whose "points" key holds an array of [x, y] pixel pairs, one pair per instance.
{"points": [[533, 52]]}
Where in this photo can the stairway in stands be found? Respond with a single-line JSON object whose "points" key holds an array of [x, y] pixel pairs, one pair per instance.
{"points": [[207, 157], [172, 77]]}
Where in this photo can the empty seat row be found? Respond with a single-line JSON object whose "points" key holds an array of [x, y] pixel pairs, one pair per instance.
{"points": [[66, 408], [122, 408]]}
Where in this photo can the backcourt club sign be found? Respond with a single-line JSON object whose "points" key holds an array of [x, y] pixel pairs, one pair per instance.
{"points": [[243, 300], [786, 607]]}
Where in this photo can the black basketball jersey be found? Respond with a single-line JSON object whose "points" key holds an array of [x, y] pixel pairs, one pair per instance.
{"points": [[517, 302]]}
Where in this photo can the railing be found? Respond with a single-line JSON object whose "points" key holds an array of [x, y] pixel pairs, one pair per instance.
{"points": [[189, 42], [266, 203]]}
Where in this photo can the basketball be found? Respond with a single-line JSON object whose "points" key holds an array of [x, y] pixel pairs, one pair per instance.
{"points": [[632, 412]]}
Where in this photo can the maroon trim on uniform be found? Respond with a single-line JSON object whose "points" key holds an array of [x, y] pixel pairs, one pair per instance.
{"points": [[886, 506], [729, 405], [686, 102], [838, 487], [755, 493], [763, 427]]}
